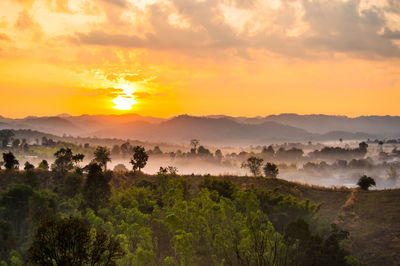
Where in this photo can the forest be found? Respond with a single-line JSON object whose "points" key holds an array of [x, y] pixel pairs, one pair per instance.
{"points": [[67, 214]]}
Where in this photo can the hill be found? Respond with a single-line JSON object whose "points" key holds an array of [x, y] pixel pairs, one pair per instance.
{"points": [[373, 220], [224, 130]]}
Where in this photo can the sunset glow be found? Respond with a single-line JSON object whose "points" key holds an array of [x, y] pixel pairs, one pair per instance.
{"points": [[199, 57]]}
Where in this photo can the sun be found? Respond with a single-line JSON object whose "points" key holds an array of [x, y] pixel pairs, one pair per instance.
{"points": [[126, 100]]}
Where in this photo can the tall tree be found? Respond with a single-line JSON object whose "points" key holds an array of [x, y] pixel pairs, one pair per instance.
{"points": [[10, 162], [102, 156], [64, 161], [97, 190], [271, 170], [253, 164], [139, 159]]}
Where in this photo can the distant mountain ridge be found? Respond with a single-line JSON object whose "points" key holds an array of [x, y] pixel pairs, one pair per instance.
{"points": [[216, 129]]}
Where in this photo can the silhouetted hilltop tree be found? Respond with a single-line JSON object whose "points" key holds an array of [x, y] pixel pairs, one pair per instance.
{"points": [[71, 241], [10, 162], [139, 159], [253, 164], [102, 156], [271, 170], [365, 182]]}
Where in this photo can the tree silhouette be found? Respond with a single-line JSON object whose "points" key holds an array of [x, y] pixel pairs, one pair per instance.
{"points": [[97, 190], [44, 165], [194, 143], [28, 166], [365, 182], [271, 170], [64, 161], [139, 159], [10, 162], [102, 156], [254, 165], [70, 242]]}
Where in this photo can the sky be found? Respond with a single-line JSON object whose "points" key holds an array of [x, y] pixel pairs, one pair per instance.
{"points": [[199, 57]]}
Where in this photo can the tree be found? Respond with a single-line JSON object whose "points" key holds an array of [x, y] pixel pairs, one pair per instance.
{"points": [[15, 143], [254, 165], [194, 143], [63, 162], [5, 136], [120, 167], [44, 165], [365, 182], [102, 156], [77, 158], [70, 241], [116, 150], [363, 146], [10, 162], [139, 159], [97, 190], [14, 205], [28, 166], [271, 170], [218, 155]]}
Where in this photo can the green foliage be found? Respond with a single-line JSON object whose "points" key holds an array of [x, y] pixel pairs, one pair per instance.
{"points": [[312, 249], [72, 184], [42, 206], [7, 240], [97, 190], [14, 207], [71, 241], [365, 182], [224, 188]]}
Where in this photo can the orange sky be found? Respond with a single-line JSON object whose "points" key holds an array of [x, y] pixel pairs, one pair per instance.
{"points": [[200, 57]]}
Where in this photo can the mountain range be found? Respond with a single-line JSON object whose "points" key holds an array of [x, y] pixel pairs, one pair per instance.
{"points": [[216, 129]]}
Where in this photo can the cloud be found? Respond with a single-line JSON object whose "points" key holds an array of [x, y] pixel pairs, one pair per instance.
{"points": [[142, 95], [293, 28], [395, 35], [120, 3]]}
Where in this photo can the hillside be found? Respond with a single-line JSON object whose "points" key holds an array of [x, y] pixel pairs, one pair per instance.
{"points": [[373, 222]]}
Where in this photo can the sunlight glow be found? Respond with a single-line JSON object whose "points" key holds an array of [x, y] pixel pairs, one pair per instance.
{"points": [[126, 100]]}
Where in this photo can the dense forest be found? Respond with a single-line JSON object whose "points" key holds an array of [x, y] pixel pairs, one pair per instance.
{"points": [[66, 214]]}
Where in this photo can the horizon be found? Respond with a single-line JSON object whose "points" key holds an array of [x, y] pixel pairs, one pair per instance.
{"points": [[61, 115]]}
